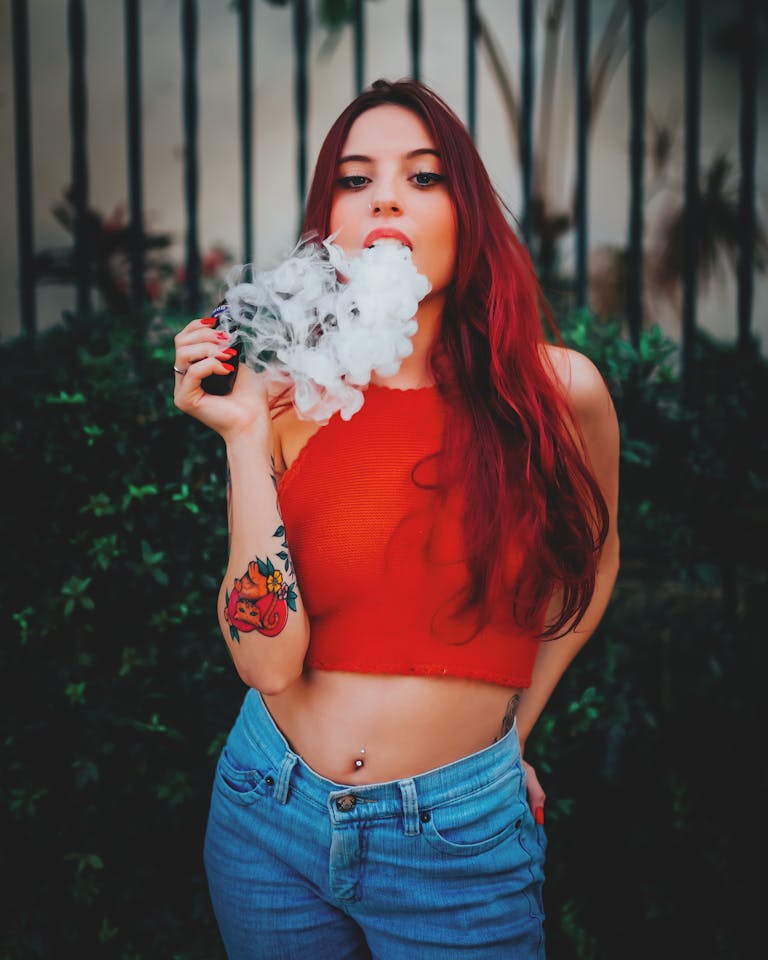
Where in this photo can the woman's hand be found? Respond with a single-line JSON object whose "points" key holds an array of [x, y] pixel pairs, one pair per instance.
{"points": [[536, 795], [202, 351]]}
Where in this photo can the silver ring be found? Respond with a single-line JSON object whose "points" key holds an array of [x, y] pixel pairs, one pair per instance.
{"points": [[180, 372]]}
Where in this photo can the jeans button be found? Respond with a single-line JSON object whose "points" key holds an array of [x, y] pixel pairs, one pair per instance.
{"points": [[345, 804]]}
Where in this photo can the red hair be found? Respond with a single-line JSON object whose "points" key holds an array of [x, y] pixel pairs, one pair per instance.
{"points": [[510, 437]]}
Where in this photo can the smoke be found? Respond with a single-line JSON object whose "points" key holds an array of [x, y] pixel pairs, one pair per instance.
{"points": [[302, 325]]}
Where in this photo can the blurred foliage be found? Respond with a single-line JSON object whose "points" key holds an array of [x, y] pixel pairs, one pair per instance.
{"points": [[116, 684], [118, 688], [650, 740], [109, 243]]}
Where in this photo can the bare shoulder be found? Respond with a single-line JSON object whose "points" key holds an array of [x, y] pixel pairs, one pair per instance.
{"points": [[594, 416], [581, 381]]}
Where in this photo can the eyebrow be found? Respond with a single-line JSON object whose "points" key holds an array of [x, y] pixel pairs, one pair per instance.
{"points": [[361, 158]]}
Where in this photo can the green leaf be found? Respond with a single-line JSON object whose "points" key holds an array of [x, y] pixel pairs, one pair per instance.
{"points": [[85, 772], [93, 432], [24, 618], [62, 398], [107, 932], [149, 557], [86, 861], [24, 801], [75, 693], [99, 505]]}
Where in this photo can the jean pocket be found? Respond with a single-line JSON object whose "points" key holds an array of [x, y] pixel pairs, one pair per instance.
{"points": [[479, 821], [239, 783]]}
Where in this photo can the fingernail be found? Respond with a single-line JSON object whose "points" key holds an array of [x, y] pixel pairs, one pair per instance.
{"points": [[208, 321], [222, 336], [229, 352], [228, 367], [538, 814]]}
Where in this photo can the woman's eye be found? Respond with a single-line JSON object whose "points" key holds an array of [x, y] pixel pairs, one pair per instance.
{"points": [[427, 179], [353, 182]]}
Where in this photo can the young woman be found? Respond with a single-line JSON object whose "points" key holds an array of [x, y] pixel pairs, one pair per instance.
{"points": [[402, 610]]}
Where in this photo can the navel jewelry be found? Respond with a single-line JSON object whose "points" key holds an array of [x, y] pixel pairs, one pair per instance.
{"points": [[360, 763]]}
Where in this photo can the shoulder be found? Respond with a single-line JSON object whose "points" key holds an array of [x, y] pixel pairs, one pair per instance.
{"points": [[580, 381]]}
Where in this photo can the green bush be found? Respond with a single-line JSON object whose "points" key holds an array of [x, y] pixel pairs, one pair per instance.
{"points": [[118, 688], [116, 680], [650, 737]]}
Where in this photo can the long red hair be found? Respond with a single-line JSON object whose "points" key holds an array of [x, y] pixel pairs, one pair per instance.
{"points": [[509, 437]]}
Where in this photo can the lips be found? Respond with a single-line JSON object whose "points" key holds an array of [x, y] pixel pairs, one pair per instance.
{"points": [[387, 233]]}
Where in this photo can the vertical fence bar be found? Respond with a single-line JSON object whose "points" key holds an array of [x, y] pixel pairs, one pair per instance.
{"points": [[301, 93], [471, 7], [189, 94], [526, 114], [24, 222], [637, 68], [691, 212], [359, 44], [132, 11], [79, 196], [414, 34], [246, 126], [748, 140], [581, 214]]}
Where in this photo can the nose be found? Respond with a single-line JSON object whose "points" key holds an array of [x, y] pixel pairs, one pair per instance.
{"points": [[390, 207]]}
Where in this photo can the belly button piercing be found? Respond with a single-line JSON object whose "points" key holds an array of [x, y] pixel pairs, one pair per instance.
{"points": [[359, 763]]}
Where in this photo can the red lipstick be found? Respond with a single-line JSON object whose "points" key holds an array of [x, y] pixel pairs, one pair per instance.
{"points": [[387, 233]]}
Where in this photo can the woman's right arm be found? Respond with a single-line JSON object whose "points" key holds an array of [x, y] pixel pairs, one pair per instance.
{"points": [[261, 614]]}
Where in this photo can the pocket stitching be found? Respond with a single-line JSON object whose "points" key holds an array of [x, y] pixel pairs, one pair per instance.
{"points": [[224, 770], [439, 842]]}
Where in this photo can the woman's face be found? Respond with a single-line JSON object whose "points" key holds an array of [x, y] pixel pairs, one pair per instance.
{"points": [[390, 181]]}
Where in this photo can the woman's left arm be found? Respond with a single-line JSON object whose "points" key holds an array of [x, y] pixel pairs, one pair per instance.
{"points": [[594, 411]]}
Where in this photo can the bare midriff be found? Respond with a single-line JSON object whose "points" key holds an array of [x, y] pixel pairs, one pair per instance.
{"points": [[405, 725]]}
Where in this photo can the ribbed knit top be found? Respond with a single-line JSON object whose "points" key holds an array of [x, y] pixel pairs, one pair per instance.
{"points": [[379, 559]]}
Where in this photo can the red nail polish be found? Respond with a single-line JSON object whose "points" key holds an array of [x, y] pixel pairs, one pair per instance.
{"points": [[228, 367], [208, 321], [229, 352], [538, 814], [222, 336]]}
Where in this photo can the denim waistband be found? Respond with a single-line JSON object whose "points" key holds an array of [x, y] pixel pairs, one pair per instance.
{"points": [[374, 800]]}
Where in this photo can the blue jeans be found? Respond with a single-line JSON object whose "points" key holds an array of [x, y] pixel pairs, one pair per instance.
{"points": [[443, 865]]}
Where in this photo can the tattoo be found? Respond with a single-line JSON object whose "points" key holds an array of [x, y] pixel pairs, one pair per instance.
{"points": [[509, 715], [261, 598]]}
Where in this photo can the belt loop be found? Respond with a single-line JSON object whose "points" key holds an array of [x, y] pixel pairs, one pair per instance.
{"points": [[410, 807], [284, 777]]}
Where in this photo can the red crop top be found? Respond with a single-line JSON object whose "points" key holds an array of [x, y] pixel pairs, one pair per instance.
{"points": [[357, 525]]}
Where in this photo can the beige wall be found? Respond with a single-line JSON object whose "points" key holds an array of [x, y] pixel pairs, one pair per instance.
{"points": [[443, 65]]}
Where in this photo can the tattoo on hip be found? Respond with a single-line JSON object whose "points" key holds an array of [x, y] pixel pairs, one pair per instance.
{"points": [[508, 719]]}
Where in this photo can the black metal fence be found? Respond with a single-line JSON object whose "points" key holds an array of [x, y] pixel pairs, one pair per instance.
{"points": [[188, 24]]}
